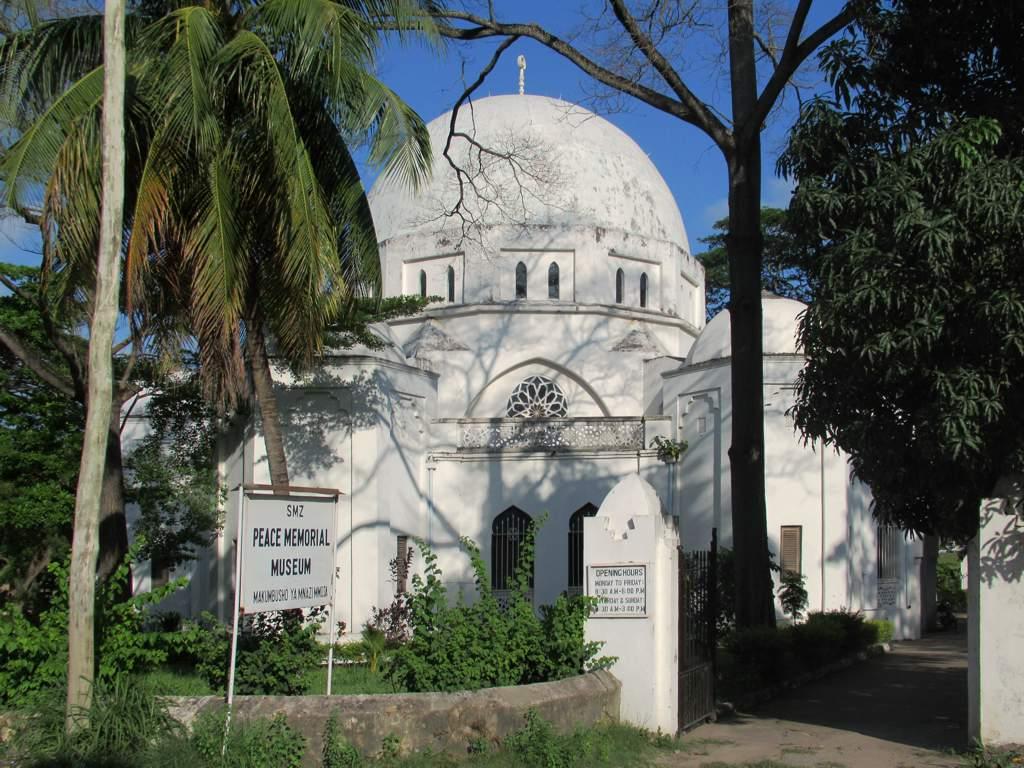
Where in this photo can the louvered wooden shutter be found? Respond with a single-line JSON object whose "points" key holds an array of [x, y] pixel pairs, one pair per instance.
{"points": [[791, 546]]}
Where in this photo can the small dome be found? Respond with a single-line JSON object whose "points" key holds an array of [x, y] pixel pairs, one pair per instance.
{"points": [[574, 169], [778, 336]]}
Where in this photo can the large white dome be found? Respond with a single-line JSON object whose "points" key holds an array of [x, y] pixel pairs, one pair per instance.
{"points": [[780, 318], [550, 163]]}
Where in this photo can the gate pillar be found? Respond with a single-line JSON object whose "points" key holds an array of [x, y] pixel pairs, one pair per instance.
{"points": [[631, 559]]}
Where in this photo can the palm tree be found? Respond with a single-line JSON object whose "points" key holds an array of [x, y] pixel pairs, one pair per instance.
{"points": [[244, 216]]}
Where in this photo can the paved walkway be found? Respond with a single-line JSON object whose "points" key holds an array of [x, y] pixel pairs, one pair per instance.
{"points": [[906, 709]]}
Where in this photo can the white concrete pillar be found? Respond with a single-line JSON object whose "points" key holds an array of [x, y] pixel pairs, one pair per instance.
{"points": [[995, 663], [630, 551]]}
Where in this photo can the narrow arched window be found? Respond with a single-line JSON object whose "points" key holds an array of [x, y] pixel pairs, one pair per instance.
{"points": [[553, 280], [508, 533], [520, 280], [643, 290], [576, 548], [451, 283], [620, 285], [423, 283]]}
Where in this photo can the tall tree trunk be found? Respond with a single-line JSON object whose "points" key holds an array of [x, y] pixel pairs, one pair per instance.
{"points": [[84, 542], [113, 524], [263, 385], [754, 604]]}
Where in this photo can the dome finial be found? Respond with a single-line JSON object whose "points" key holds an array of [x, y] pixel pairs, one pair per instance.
{"points": [[521, 63]]}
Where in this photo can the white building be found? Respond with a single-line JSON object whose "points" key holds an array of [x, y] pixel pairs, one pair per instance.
{"points": [[569, 332]]}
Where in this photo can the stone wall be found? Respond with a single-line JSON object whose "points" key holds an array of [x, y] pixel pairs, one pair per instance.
{"points": [[437, 721]]}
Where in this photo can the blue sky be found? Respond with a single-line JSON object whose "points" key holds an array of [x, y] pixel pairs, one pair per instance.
{"points": [[692, 166]]}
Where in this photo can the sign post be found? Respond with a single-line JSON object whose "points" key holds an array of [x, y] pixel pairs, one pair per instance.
{"points": [[284, 558]]}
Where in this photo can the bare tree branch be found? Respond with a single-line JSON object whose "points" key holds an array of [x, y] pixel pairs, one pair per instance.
{"points": [[706, 120], [767, 48], [460, 174], [483, 28], [793, 55]]}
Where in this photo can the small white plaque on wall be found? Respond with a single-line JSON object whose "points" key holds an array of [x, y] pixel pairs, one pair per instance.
{"points": [[888, 592], [620, 588]]}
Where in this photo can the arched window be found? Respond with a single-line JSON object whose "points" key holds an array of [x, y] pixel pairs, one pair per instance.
{"points": [[620, 284], [423, 283], [643, 290], [553, 280], [576, 548], [508, 532], [520, 280], [536, 397], [451, 283]]}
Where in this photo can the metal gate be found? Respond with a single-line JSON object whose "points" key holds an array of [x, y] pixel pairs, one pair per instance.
{"points": [[698, 609]]}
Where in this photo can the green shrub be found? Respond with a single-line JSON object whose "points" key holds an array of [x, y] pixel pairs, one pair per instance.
{"points": [[33, 654], [793, 594], [762, 651], [816, 643], [276, 651], [725, 621], [338, 752], [884, 630], [375, 642], [538, 745], [948, 583], [857, 634], [986, 757], [469, 646], [255, 743]]}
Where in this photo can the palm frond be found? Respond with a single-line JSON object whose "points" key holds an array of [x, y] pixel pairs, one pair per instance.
{"points": [[214, 252], [178, 52], [30, 161], [38, 64], [301, 298], [71, 216]]}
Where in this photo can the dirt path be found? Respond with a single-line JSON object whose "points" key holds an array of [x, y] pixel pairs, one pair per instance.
{"points": [[907, 709]]}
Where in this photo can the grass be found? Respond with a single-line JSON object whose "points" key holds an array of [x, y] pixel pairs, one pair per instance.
{"points": [[177, 681], [348, 679], [797, 750], [698, 746], [607, 745]]}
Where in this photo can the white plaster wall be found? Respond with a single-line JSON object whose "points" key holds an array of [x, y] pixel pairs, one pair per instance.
{"points": [[469, 491], [803, 486], [561, 342], [359, 425], [588, 258], [995, 613]]}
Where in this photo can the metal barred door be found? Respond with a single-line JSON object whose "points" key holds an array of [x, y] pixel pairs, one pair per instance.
{"points": [[698, 607]]}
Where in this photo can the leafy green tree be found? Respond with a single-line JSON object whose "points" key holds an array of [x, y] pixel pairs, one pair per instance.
{"points": [[914, 187], [40, 444], [172, 475], [245, 218], [782, 267]]}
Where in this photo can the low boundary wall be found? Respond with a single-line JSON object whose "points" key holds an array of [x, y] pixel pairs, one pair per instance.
{"points": [[437, 721]]}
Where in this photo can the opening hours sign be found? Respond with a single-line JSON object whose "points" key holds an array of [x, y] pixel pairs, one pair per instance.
{"points": [[620, 589], [287, 552]]}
